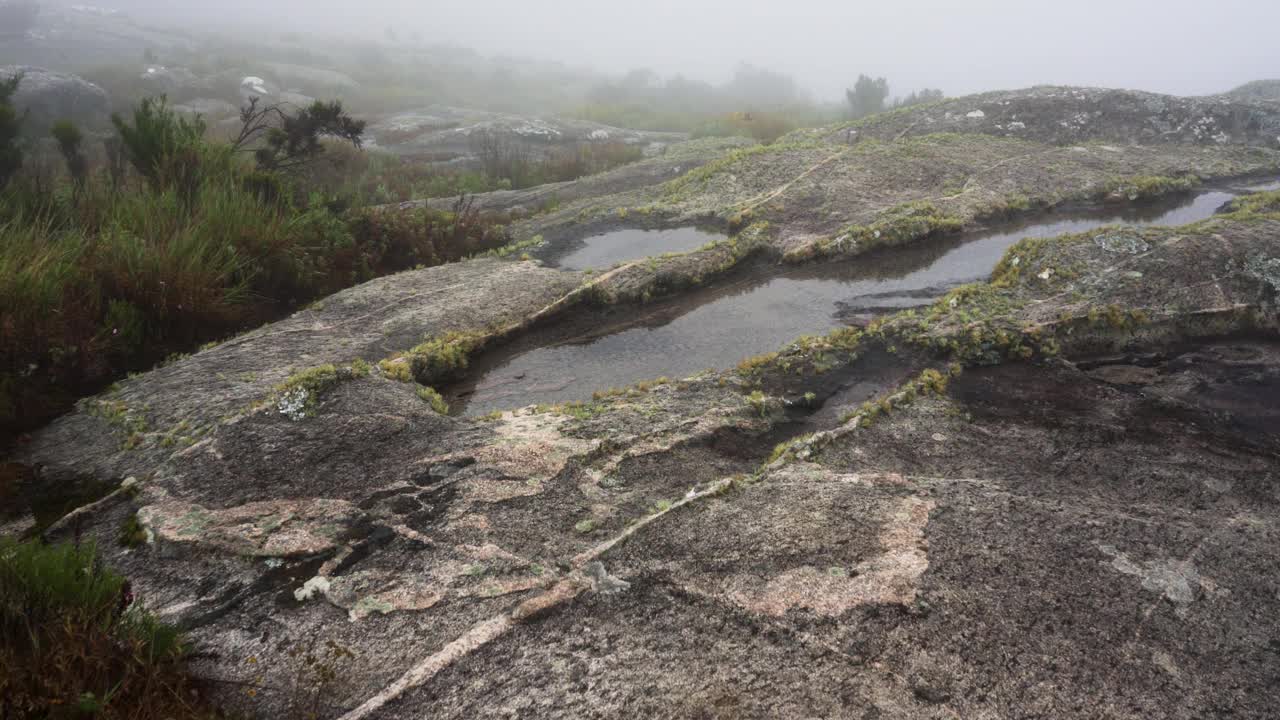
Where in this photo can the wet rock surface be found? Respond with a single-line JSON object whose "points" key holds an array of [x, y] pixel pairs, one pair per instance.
{"points": [[764, 307], [190, 397], [1062, 503], [817, 197], [448, 134]]}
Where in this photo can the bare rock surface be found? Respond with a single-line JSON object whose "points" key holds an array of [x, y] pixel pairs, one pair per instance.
{"points": [[822, 199], [674, 160], [1258, 90], [47, 96], [1071, 513], [191, 396], [1113, 531], [1063, 115], [448, 134]]}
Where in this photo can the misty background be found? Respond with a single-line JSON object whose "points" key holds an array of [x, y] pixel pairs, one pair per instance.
{"points": [[1181, 47]]}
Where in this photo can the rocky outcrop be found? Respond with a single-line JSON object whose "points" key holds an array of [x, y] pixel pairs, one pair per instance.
{"points": [[47, 97], [1264, 90], [447, 134], [821, 198], [1062, 115], [186, 399], [1067, 509], [561, 562], [672, 162]]}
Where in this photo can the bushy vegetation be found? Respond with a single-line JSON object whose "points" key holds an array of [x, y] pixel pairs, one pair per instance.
{"points": [[867, 96], [755, 103], [74, 644], [109, 269], [871, 95], [508, 162]]}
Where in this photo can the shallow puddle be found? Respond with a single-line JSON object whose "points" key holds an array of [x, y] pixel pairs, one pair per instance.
{"points": [[763, 311], [602, 251]]}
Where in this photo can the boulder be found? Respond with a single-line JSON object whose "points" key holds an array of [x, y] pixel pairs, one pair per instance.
{"points": [[1068, 115], [253, 86], [448, 133], [48, 96], [169, 81]]}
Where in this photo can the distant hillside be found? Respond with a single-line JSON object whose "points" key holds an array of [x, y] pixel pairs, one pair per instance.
{"points": [[1257, 90]]}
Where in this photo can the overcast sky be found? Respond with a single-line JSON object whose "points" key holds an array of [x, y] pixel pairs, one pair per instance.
{"points": [[1177, 46]]}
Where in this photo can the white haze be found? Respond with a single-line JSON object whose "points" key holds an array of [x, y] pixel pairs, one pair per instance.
{"points": [[1175, 46]]}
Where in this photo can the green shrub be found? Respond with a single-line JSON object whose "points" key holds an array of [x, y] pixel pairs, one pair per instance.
{"points": [[164, 147], [71, 639], [123, 272], [69, 141], [432, 398]]}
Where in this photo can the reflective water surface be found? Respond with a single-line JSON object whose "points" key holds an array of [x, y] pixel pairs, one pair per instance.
{"points": [[761, 312], [602, 251]]}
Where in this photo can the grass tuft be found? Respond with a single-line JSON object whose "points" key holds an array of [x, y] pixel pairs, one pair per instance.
{"points": [[73, 643]]}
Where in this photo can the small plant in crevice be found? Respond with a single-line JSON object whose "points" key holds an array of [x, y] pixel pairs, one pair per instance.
{"points": [[319, 676], [432, 398], [132, 533], [298, 397]]}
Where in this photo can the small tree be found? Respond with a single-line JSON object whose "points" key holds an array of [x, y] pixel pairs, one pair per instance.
{"points": [[867, 96], [164, 147], [10, 124], [69, 140], [289, 141]]}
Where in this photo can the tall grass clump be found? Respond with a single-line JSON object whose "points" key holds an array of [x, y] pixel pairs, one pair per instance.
{"points": [[74, 644]]}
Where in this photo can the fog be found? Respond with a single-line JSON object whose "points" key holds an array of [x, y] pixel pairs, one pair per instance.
{"points": [[1174, 46]]}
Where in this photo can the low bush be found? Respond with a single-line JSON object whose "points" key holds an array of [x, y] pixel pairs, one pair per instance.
{"points": [[114, 271], [73, 643]]}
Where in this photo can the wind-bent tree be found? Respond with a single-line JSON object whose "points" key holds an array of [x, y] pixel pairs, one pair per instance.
{"points": [[286, 141]]}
